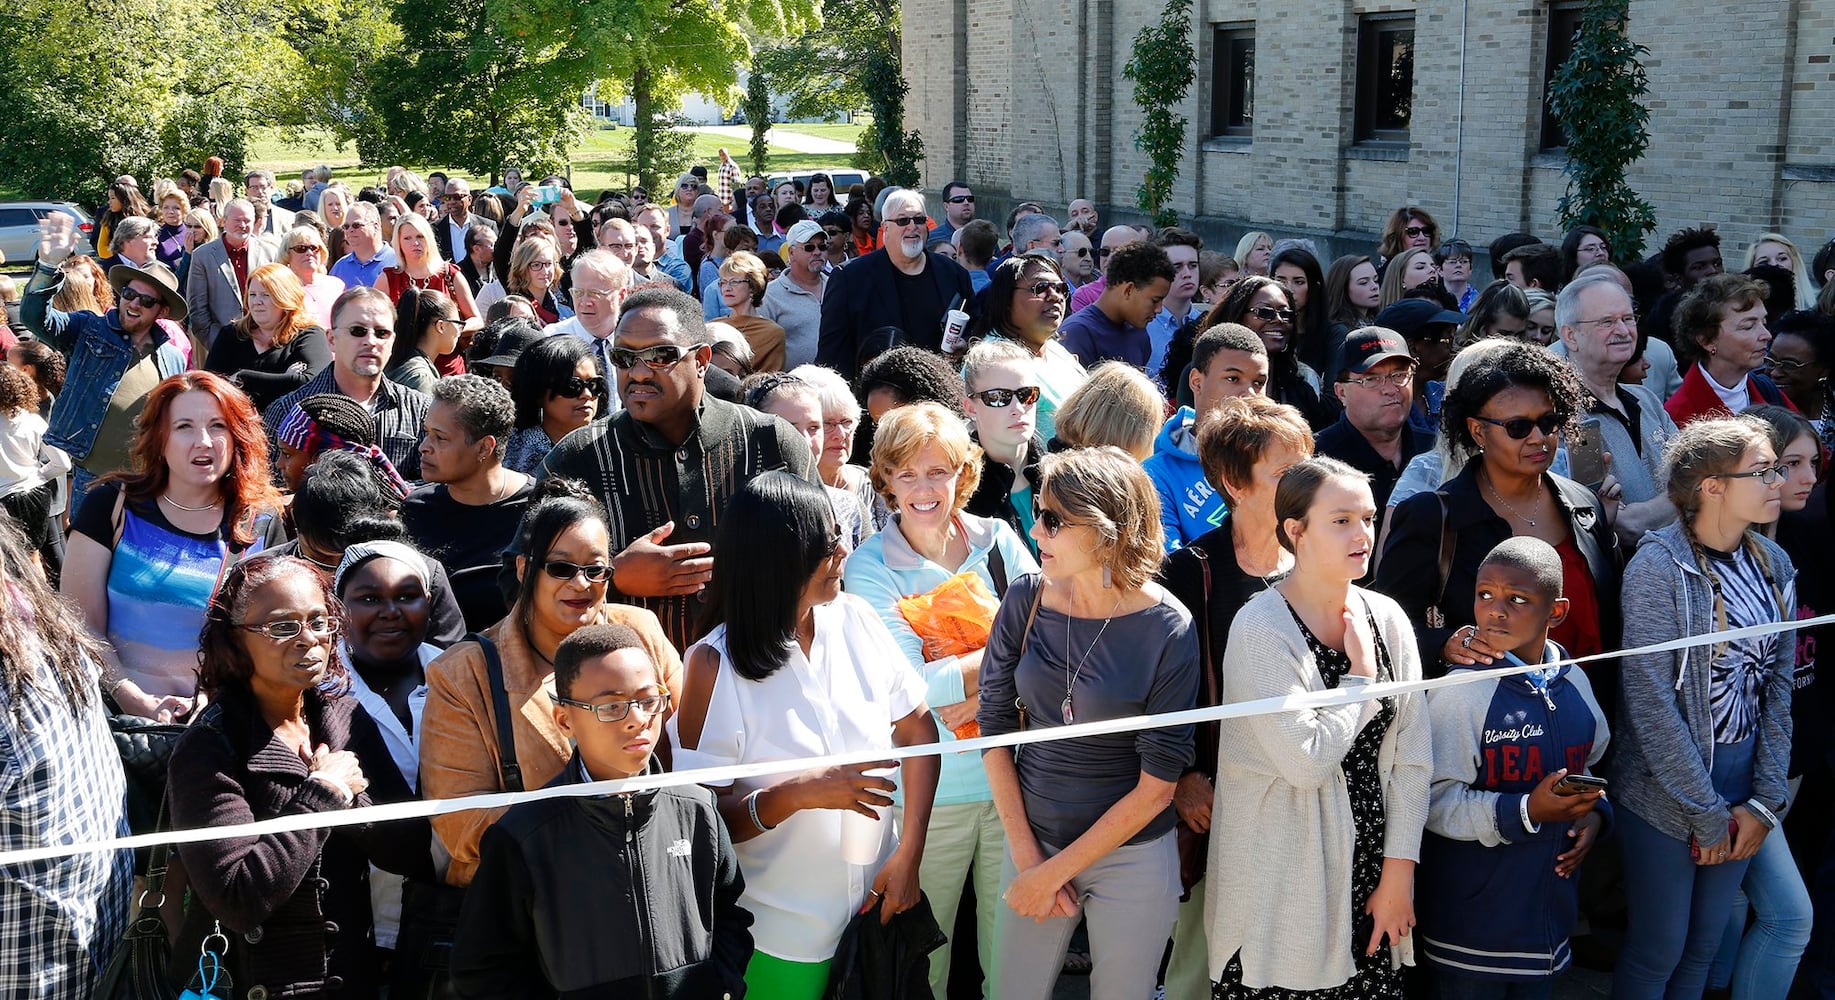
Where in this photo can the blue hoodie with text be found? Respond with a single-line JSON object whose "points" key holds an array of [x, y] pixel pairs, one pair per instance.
{"points": [[1489, 902], [1189, 504]]}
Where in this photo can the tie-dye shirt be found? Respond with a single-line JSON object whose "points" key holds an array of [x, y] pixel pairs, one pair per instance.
{"points": [[159, 585]]}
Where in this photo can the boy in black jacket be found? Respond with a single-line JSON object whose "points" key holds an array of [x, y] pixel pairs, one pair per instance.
{"points": [[1495, 893], [627, 895]]}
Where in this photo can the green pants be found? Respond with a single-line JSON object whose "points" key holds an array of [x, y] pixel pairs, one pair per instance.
{"points": [[777, 979]]}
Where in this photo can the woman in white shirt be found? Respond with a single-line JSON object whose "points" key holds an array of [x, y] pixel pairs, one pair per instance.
{"points": [[794, 672], [29, 468]]}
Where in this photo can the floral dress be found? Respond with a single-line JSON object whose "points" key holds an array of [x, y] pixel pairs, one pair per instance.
{"points": [[1374, 977]]}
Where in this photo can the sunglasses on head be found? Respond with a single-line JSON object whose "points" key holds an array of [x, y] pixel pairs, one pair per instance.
{"points": [[563, 570], [573, 387], [1519, 427], [998, 398], [654, 358], [1052, 521]]}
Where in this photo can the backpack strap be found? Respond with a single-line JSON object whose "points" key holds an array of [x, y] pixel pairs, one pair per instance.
{"points": [[1204, 628], [118, 517], [997, 568], [508, 771]]}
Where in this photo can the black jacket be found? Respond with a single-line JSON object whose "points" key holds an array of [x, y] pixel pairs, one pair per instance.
{"points": [[1410, 567], [888, 961], [994, 494], [614, 896], [295, 906], [863, 297]]}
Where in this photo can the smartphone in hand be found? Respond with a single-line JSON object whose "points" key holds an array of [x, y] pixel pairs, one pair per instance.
{"points": [[1574, 784]]}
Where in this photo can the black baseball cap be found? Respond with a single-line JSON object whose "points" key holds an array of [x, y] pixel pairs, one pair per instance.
{"points": [[1412, 317], [1367, 347]]}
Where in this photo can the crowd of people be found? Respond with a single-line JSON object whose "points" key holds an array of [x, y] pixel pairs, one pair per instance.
{"points": [[318, 499]]}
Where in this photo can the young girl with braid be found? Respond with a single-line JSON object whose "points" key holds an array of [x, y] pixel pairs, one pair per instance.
{"points": [[1704, 733]]}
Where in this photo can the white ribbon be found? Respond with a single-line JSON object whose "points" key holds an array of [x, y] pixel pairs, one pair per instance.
{"points": [[726, 775]]}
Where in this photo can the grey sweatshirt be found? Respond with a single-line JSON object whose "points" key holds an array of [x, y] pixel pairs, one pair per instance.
{"points": [[1665, 731]]}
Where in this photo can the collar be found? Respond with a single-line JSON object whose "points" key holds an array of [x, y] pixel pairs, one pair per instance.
{"points": [[1539, 680], [714, 420], [899, 555], [1714, 383]]}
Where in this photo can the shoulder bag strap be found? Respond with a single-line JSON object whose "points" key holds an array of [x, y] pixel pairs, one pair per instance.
{"points": [[1204, 628], [508, 771], [1446, 549], [997, 568], [1025, 714], [118, 517]]}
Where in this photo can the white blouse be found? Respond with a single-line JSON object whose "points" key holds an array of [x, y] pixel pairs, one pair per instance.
{"points": [[844, 697]]}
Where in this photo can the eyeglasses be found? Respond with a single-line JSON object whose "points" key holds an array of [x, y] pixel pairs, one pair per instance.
{"points": [[961, 199], [292, 627], [654, 358], [1052, 521], [362, 332], [1417, 230], [451, 321], [1786, 364], [1399, 379], [999, 398], [306, 248], [1628, 321], [735, 281], [815, 246], [573, 387], [541, 265], [621, 245], [1102, 253], [1519, 427], [595, 294], [1039, 288], [566, 571], [616, 711], [1271, 313], [353, 226], [907, 221], [1079, 252], [1770, 477], [139, 298]]}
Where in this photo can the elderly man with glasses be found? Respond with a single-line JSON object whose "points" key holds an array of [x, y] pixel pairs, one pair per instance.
{"points": [[900, 286]]}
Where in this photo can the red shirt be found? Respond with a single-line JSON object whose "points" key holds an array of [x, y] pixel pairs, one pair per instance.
{"points": [[1579, 634], [238, 259]]}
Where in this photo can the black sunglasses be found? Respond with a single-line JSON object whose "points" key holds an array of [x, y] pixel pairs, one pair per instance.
{"points": [[1416, 230], [573, 387], [1052, 521], [1270, 313], [563, 570], [998, 398], [962, 199], [1039, 288], [654, 358], [1519, 427]]}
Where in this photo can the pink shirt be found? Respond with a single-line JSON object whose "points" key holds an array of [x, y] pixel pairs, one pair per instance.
{"points": [[323, 291]]}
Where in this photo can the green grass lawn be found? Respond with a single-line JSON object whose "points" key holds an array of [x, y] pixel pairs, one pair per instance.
{"points": [[594, 162]]}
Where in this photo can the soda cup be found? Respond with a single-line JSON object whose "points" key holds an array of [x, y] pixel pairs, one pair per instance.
{"points": [[955, 328]]}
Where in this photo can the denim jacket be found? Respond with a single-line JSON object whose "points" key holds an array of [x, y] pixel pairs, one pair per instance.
{"points": [[99, 354]]}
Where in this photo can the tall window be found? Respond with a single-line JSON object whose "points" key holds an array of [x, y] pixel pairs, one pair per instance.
{"points": [[1233, 81], [1563, 21], [1385, 77]]}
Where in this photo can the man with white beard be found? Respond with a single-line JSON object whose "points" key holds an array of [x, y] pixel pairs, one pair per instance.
{"points": [[899, 286]]}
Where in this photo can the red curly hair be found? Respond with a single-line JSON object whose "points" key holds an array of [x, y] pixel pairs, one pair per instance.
{"points": [[247, 487]]}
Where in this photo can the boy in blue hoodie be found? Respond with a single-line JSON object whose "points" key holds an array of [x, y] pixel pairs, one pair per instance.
{"points": [[1496, 894], [1227, 360]]}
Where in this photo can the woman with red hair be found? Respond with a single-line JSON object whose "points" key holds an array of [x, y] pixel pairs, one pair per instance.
{"points": [[277, 346], [146, 555]]}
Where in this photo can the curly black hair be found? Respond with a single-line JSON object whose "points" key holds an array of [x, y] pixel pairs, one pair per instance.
{"points": [[914, 375], [1680, 244], [1525, 365]]}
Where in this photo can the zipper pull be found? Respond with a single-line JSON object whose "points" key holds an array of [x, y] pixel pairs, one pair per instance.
{"points": [[630, 829]]}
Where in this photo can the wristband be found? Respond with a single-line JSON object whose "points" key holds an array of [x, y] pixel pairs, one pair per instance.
{"points": [[751, 808], [1522, 808], [1764, 814]]}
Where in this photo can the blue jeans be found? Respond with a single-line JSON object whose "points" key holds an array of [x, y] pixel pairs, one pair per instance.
{"points": [[1453, 986], [1759, 963], [1678, 909], [81, 480]]}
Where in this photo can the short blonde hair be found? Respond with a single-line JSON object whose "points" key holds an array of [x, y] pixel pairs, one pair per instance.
{"points": [[906, 430], [748, 265], [1117, 406], [1107, 489], [202, 219]]}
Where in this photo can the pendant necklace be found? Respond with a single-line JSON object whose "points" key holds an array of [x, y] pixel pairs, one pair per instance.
{"points": [[1070, 677], [1500, 499]]}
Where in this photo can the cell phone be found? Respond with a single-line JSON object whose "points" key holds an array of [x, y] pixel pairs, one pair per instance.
{"points": [[1586, 457], [1694, 847], [1574, 784], [547, 194]]}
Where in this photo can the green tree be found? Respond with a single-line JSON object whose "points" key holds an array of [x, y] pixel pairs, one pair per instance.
{"points": [[758, 115], [468, 88], [1162, 68], [88, 99], [1598, 96]]}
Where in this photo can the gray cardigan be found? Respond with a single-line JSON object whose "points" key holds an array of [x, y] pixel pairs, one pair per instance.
{"points": [[1665, 731], [1281, 833]]}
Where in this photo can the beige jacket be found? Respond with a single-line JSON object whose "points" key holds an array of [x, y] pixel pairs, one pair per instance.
{"points": [[458, 741]]}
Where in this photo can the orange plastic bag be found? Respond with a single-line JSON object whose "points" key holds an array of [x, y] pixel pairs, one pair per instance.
{"points": [[953, 619]]}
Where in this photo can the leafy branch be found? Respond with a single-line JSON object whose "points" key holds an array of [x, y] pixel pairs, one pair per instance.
{"points": [[1597, 95], [1162, 68]]}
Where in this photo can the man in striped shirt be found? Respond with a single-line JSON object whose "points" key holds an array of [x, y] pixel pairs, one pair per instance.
{"points": [[666, 466]]}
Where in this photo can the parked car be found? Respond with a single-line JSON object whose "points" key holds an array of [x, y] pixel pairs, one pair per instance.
{"points": [[843, 180], [19, 228]]}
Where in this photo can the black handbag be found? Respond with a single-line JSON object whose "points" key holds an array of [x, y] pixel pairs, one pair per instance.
{"points": [[138, 969], [145, 748]]}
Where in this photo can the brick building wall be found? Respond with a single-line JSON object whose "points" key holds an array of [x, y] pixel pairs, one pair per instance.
{"points": [[1742, 106]]}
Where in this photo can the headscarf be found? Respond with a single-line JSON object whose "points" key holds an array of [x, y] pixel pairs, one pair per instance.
{"points": [[302, 433], [355, 556]]}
